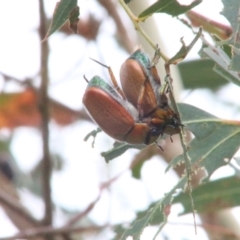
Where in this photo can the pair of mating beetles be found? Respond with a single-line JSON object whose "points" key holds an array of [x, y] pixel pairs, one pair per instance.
{"points": [[140, 82]]}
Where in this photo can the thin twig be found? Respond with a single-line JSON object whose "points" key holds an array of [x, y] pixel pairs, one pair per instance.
{"points": [[185, 148], [103, 186], [22, 82], [49, 230], [135, 22], [84, 213], [67, 229], [44, 105], [8, 200]]}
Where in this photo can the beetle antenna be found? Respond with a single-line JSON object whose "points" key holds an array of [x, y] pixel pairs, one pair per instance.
{"points": [[85, 79], [114, 81], [99, 63]]}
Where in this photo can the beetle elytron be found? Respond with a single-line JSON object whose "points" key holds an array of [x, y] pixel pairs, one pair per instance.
{"points": [[140, 82]]}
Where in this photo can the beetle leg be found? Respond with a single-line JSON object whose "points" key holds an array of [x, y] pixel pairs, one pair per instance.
{"points": [[153, 68], [157, 121], [153, 132], [156, 56], [155, 75], [140, 100], [114, 81], [163, 101], [148, 137]]}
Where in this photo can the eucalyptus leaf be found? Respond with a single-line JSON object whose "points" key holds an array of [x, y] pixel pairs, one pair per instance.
{"points": [[212, 196], [154, 214], [171, 7], [118, 150], [215, 143], [200, 74], [184, 50], [64, 10], [231, 12], [222, 64]]}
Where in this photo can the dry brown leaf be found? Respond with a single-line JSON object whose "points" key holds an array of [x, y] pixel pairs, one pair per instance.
{"points": [[21, 109]]}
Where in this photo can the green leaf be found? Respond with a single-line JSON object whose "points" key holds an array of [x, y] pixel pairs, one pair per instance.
{"points": [[222, 63], [64, 10], [212, 196], [136, 171], [237, 159], [231, 12], [199, 122], [73, 19], [189, 114], [184, 50], [119, 150], [227, 74], [235, 63], [171, 7], [227, 49], [199, 74], [93, 134], [154, 215], [215, 143]]}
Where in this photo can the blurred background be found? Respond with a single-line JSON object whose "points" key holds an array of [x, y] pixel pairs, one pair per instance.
{"points": [[86, 192]]}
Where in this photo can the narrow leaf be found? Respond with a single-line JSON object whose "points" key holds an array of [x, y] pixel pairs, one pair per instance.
{"points": [[73, 19], [64, 10], [119, 150], [199, 74], [237, 159], [222, 64], [21, 109], [156, 213], [184, 50], [231, 12], [171, 7], [216, 141], [212, 196], [235, 63]]}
